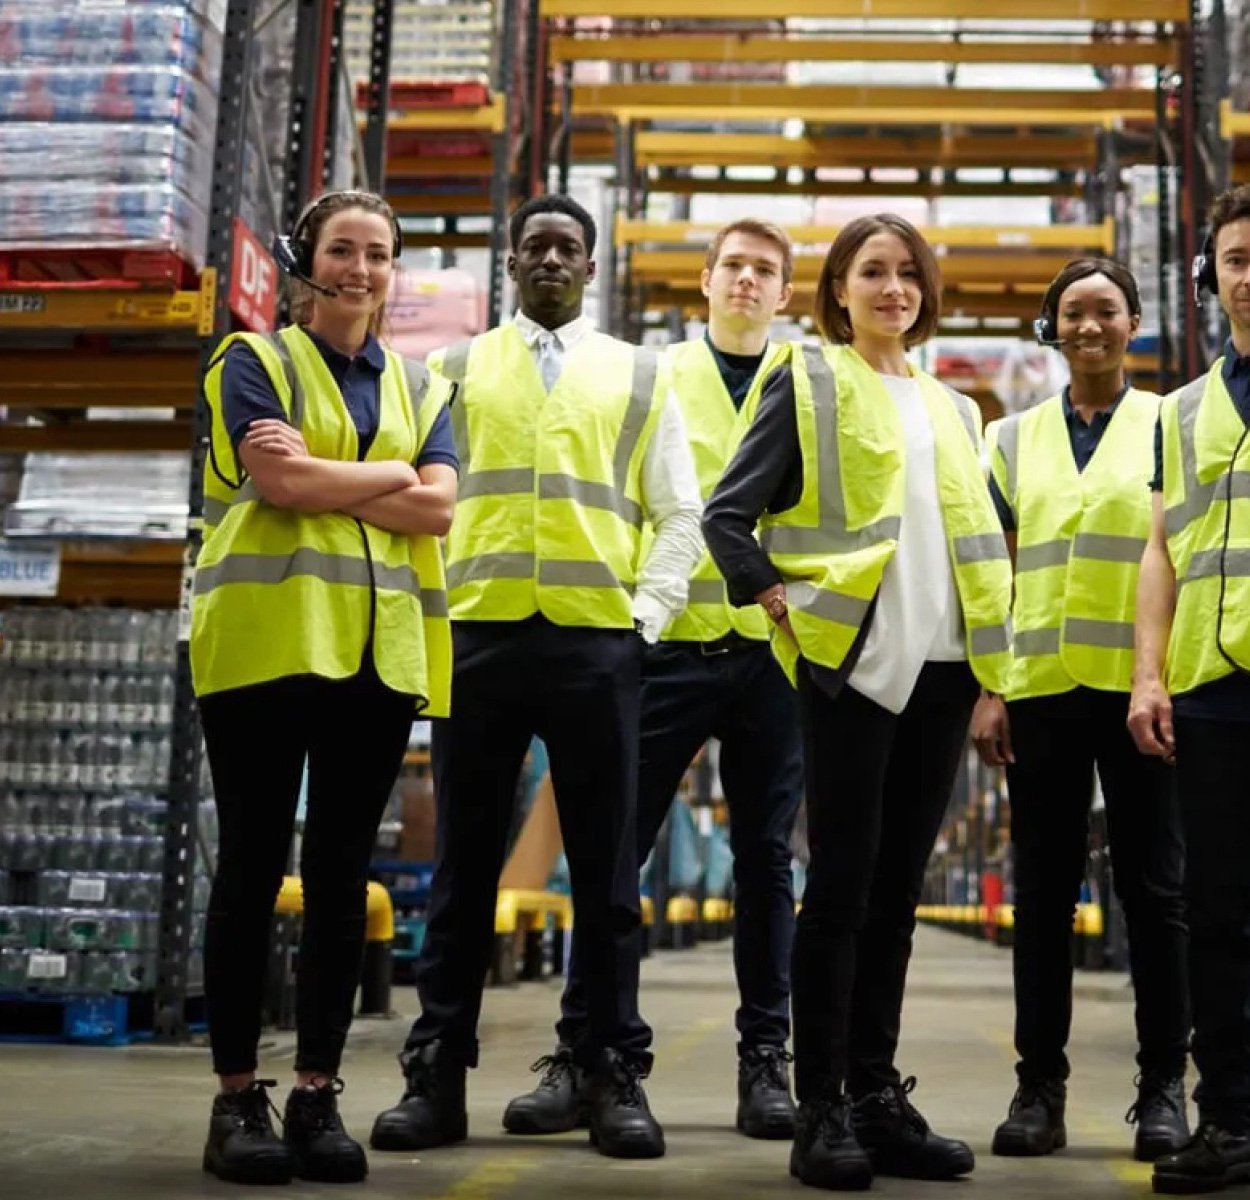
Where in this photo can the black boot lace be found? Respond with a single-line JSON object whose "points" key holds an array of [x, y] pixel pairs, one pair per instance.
{"points": [[766, 1066], [906, 1109], [831, 1114], [318, 1107], [1155, 1094], [420, 1082], [252, 1107], [626, 1082], [556, 1068], [1030, 1094]]}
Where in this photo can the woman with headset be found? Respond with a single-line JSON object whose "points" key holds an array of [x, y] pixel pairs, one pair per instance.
{"points": [[1070, 481], [883, 567], [318, 633]]}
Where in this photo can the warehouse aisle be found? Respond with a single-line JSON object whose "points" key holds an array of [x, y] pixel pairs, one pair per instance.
{"points": [[128, 1124]]}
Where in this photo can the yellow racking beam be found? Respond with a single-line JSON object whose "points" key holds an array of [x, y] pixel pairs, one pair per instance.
{"points": [[85, 378], [686, 186], [423, 240], [430, 167], [114, 310], [764, 47], [1232, 123], [492, 117], [96, 436], [1100, 237], [683, 267], [932, 105], [954, 10], [434, 204], [1062, 152]]}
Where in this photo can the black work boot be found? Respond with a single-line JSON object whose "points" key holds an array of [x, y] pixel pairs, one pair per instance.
{"points": [[1160, 1117], [555, 1105], [1210, 1161], [899, 1141], [315, 1135], [826, 1153], [1034, 1124], [621, 1124], [242, 1146], [765, 1109], [431, 1111]]}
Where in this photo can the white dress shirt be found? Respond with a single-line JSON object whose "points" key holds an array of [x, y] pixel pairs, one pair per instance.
{"points": [[918, 618], [671, 500]]}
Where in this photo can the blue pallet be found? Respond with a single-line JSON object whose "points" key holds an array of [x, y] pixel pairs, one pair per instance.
{"points": [[83, 1020]]}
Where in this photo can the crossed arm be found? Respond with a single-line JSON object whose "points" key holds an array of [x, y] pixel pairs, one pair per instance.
{"points": [[392, 495]]}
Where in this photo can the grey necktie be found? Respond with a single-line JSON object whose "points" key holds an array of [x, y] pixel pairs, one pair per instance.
{"points": [[548, 359]]}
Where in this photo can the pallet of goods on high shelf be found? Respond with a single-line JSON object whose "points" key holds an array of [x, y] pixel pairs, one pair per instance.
{"points": [[451, 41], [107, 118]]}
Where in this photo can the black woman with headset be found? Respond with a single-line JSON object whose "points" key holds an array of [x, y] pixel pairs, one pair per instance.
{"points": [[1191, 698], [319, 631], [1069, 478]]}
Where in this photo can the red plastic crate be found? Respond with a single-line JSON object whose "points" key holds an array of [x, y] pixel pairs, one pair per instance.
{"points": [[419, 93], [94, 267]]}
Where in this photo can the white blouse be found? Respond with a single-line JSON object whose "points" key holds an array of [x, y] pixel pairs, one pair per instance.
{"points": [[918, 618]]}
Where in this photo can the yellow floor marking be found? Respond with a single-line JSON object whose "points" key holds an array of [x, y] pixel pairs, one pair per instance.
{"points": [[486, 1181]]}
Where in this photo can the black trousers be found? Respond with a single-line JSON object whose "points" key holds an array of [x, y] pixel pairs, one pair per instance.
{"points": [[577, 689], [353, 733], [1058, 741], [878, 785], [742, 697], [1213, 778]]}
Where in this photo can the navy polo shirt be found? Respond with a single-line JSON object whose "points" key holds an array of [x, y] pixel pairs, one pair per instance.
{"points": [[737, 371], [248, 395], [1083, 437], [1228, 698]]}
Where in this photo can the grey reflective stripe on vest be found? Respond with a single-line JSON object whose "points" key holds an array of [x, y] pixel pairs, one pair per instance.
{"points": [[455, 368], [214, 511], [979, 547], [1043, 554], [963, 405], [418, 380], [707, 591], [299, 403], [828, 606], [505, 481], [641, 392], [830, 536], [1198, 496], [572, 572], [592, 495], [1106, 635], [506, 565], [1109, 547], [274, 568], [1208, 564], [1032, 642], [989, 639], [1009, 444]]}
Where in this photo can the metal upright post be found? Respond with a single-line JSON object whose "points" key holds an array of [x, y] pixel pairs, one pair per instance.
{"points": [[377, 103], [178, 871], [1193, 189], [501, 164], [1163, 178]]}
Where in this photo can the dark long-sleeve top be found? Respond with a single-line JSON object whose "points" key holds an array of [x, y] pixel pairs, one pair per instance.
{"points": [[766, 475]]}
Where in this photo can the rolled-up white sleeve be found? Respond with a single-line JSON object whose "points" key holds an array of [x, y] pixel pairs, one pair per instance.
{"points": [[673, 505]]}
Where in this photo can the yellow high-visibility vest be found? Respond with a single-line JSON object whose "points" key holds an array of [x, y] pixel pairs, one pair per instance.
{"points": [[280, 592], [832, 547], [714, 429], [1080, 538], [1209, 545], [549, 518]]}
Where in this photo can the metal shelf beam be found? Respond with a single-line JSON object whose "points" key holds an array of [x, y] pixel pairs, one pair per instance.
{"points": [[85, 378], [953, 10], [763, 47], [122, 310]]}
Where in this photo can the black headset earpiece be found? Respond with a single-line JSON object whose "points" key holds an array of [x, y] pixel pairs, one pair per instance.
{"points": [[1044, 330], [294, 254], [1203, 270]]}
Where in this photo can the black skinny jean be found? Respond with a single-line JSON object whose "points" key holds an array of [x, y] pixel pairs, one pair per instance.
{"points": [[877, 788], [353, 733], [742, 697], [1213, 778], [1058, 740]]}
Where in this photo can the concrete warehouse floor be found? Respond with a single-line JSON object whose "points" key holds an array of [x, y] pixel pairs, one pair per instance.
{"points": [[128, 1124]]}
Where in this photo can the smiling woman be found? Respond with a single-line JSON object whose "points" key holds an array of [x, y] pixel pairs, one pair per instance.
{"points": [[887, 579]]}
